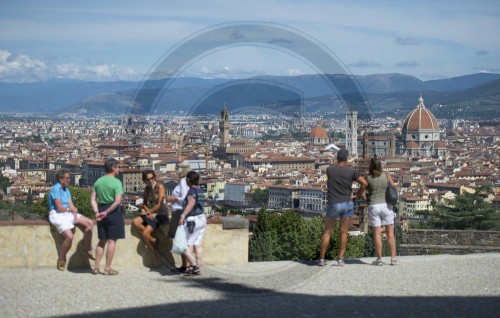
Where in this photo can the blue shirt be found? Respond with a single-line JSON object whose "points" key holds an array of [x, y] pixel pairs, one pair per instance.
{"points": [[57, 192]]}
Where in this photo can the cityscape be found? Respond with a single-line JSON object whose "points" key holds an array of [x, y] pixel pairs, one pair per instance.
{"points": [[249, 161]]}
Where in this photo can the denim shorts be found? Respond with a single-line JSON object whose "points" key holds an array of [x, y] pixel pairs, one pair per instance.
{"points": [[337, 210]]}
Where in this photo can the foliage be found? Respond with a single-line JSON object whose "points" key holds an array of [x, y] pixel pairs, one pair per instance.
{"points": [[291, 237], [29, 197], [4, 183], [80, 198], [260, 196], [300, 135], [261, 243], [467, 211]]}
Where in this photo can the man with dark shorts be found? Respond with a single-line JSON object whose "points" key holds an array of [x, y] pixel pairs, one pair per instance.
{"points": [[340, 203], [106, 200]]}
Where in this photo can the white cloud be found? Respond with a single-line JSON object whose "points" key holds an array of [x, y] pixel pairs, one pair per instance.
{"points": [[23, 69], [408, 40], [481, 52], [364, 63]]}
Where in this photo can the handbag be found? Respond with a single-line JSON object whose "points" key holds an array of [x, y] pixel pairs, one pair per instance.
{"points": [[391, 193], [180, 245]]}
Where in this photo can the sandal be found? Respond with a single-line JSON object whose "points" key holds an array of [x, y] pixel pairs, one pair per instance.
{"points": [[340, 262], [95, 271], [61, 265], [378, 262], [181, 269], [109, 272], [193, 270]]}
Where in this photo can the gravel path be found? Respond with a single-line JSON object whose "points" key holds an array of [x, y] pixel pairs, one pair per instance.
{"points": [[421, 286]]}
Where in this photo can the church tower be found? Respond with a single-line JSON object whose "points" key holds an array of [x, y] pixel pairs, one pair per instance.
{"points": [[351, 132], [224, 126]]}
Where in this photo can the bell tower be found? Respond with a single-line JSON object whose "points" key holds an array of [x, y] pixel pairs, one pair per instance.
{"points": [[224, 126], [351, 132]]}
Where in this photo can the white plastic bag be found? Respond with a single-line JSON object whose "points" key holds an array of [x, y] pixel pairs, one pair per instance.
{"points": [[180, 244]]}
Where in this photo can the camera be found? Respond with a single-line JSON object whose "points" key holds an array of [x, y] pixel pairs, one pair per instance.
{"points": [[190, 225]]}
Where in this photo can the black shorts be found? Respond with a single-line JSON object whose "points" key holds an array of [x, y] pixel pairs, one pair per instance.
{"points": [[174, 222], [147, 221], [112, 227]]}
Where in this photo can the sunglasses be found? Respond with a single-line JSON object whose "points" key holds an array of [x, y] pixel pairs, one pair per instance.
{"points": [[149, 179]]}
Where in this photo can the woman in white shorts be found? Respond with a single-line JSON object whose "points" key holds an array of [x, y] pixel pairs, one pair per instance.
{"points": [[194, 221], [379, 212], [64, 216]]}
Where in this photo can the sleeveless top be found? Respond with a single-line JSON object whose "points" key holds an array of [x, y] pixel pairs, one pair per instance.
{"points": [[151, 197], [376, 188]]}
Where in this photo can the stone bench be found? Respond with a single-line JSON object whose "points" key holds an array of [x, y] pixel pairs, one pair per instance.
{"points": [[32, 244]]}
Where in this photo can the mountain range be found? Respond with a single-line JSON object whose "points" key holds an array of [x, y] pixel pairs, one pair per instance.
{"points": [[475, 95]]}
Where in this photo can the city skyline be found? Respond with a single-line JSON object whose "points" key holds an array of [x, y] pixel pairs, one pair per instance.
{"points": [[102, 41]]}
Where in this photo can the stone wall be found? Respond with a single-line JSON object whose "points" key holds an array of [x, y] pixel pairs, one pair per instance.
{"points": [[32, 244], [424, 242]]}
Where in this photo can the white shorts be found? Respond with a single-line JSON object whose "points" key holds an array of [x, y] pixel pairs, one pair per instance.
{"points": [[62, 220], [199, 229], [380, 214]]}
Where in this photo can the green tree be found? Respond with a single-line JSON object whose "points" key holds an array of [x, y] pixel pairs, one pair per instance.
{"points": [[467, 211], [4, 183], [80, 198], [29, 197], [260, 196], [261, 244]]}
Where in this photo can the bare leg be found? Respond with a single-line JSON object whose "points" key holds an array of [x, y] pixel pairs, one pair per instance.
{"points": [[99, 251], [88, 226], [391, 241], [198, 251], [66, 244], [325, 238], [377, 241], [110, 252], [146, 234], [344, 228], [185, 263], [190, 257], [138, 224]]}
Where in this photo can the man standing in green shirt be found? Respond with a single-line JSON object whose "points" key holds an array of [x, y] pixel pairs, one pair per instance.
{"points": [[106, 200]]}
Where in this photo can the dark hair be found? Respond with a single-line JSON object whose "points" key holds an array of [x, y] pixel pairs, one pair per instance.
{"points": [[145, 174], [60, 174], [193, 177], [342, 155], [375, 167], [109, 164]]}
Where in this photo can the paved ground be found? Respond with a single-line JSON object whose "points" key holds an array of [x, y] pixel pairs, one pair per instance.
{"points": [[422, 286]]}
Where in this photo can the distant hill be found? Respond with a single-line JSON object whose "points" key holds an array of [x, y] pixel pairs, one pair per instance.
{"points": [[461, 82], [392, 94]]}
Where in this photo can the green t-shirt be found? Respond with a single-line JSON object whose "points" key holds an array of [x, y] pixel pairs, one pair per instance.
{"points": [[106, 187]]}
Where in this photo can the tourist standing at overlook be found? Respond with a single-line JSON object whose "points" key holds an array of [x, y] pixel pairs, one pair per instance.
{"points": [[106, 200], [340, 203], [194, 221], [379, 212], [177, 200], [64, 216], [154, 211]]}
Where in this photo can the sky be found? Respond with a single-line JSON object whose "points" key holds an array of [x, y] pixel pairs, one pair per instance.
{"points": [[102, 40]]}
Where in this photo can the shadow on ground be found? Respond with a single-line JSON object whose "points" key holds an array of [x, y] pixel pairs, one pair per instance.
{"points": [[239, 300]]}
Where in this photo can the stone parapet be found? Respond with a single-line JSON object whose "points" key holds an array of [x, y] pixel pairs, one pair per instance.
{"points": [[32, 244], [428, 242]]}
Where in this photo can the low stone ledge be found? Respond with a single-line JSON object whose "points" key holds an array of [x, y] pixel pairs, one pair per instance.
{"points": [[230, 223], [423, 249], [35, 243]]}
